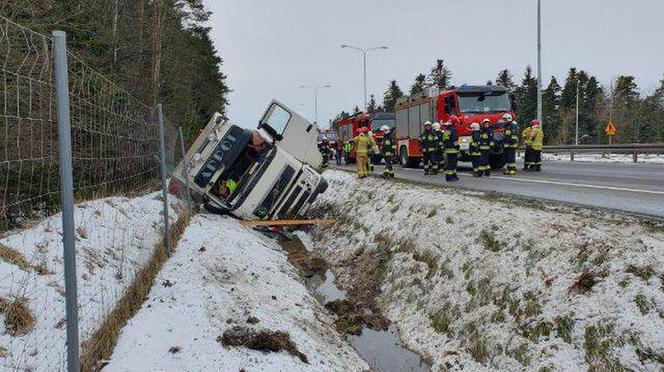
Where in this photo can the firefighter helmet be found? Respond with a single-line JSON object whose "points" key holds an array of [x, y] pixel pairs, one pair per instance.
{"points": [[508, 118], [486, 121], [436, 126], [324, 138], [370, 133], [427, 123], [474, 127], [385, 128], [535, 123]]}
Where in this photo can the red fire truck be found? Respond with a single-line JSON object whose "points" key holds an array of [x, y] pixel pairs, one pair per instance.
{"points": [[348, 128], [470, 104]]}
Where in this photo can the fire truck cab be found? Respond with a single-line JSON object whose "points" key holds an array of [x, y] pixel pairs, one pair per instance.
{"points": [[348, 128], [470, 104]]}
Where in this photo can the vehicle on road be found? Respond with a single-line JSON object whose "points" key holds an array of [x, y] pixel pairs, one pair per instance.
{"points": [[348, 129], [470, 104], [265, 173]]}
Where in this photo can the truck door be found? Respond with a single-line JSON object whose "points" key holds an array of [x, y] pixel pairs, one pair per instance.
{"points": [[292, 133]]}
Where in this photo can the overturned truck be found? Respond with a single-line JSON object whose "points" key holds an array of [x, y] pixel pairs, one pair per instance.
{"points": [[270, 172]]}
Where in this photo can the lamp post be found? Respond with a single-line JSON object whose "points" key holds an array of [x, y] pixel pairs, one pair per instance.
{"points": [[539, 62], [577, 112], [364, 52], [315, 89]]}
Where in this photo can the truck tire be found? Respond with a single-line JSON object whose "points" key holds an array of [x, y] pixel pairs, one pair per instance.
{"points": [[496, 161], [407, 161]]}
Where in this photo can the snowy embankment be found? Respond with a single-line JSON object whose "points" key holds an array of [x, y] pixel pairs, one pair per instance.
{"points": [[477, 282], [606, 158], [115, 237], [225, 282]]}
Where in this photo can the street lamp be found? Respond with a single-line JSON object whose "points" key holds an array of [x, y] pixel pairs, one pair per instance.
{"points": [[577, 112], [315, 90], [539, 62], [364, 57]]}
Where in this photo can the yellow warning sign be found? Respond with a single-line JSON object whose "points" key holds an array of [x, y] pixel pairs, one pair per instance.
{"points": [[610, 129]]}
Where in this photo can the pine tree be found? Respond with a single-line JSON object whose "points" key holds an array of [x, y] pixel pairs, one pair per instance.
{"points": [[625, 109], [505, 79], [551, 111], [440, 75], [419, 84], [526, 95], [391, 95], [371, 106], [590, 110]]}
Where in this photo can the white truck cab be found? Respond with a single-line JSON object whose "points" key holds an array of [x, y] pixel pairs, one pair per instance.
{"points": [[265, 173]]}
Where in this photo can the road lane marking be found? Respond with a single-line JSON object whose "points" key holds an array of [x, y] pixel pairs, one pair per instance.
{"points": [[612, 188]]}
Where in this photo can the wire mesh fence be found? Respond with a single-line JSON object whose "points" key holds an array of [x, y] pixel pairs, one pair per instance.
{"points": [[118, 215]]}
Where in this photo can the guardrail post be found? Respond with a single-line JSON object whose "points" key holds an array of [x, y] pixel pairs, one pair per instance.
{"points": [[164, 187], [185, 166], [635, 156], [67, 196], [571, 156]]}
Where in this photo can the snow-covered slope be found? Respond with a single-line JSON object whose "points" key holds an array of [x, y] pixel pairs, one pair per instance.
{"points": [[221, 276], [496, 284], [115, 238], [606, 158]]}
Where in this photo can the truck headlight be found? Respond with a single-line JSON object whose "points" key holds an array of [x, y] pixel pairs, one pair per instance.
{"points": [[197, 157], [212, 137]]}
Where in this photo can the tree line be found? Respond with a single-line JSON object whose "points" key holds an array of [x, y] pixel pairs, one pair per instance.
{"points": [[638, 117], [159, 50]]}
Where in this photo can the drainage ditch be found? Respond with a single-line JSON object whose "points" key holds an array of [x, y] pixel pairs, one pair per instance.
{"points": [[375, 339]]}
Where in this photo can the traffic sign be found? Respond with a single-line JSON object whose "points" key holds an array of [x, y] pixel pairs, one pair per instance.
{"points": [[611, 129]]}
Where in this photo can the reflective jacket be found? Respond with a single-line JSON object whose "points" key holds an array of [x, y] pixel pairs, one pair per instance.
{"points": [[451, 141], [486, 140], [388, 145], [526, 137], [440, 140], [428, 141], [511, 138], [537, 138], [362, 144], [347, 147], [474, 147]]}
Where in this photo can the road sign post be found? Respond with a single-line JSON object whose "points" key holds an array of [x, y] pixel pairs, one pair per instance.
{"points": [[610, 131]]}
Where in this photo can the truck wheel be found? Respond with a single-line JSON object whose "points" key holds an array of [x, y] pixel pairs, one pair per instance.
{"points": [[497, 161], [407, 161]]}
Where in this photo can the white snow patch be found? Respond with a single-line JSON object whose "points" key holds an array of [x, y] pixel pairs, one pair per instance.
{"points": [[605, 158], [115, 237], [539, 255], [221, 274]]}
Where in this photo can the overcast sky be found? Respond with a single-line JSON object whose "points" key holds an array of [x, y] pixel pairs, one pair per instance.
{"points": [[272, 47]]}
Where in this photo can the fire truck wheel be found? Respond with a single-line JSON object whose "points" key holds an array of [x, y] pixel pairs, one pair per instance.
{"points": [[497, 161], [407, 161]]}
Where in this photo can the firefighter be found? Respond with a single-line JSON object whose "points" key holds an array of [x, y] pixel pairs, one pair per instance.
{"points": [[511, 140], [440, 145], [347, 147], [388, 150], [536, 141], [337, 152], [486, 143], [324, 148], [474, 150], [372, 150], [451, 142], [362, 145], [428, 147], [528, 143]]}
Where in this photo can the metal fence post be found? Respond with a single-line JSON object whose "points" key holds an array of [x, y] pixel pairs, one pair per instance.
{"points": [[185, 166], [164, 188], [67, 196]]}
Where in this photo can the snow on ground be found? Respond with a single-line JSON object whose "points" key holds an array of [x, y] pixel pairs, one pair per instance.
{"points": [[114, 238], [221, 275], [490, 284], [605, 158]]}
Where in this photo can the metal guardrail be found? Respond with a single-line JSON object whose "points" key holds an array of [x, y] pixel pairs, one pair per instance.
{"points": [[623, 148]]}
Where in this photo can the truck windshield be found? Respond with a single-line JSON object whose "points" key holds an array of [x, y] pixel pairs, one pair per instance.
{"points": [[376, 124], [240, 169], [481, 103]]}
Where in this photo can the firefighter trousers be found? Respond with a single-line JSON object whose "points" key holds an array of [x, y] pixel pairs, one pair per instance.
{"points": [[510, 158], [528, 158], [440, 157], [485, 168], [389, 169], [536, 163], [361, 162], [430, 162], [451, 165], [477, 163]]}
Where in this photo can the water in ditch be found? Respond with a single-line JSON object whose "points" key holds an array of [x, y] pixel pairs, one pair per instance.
{"points": [[382, 350]]}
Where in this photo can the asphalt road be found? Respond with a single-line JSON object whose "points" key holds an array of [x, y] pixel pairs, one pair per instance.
{"points": [[632, 188]]}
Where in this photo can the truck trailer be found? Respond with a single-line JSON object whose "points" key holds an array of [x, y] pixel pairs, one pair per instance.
{"points": [[266, 173], [470, 104]]}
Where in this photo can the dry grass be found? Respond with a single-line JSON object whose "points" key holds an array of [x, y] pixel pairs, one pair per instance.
{"points": [[13, 257], [264, 340], [100, 345], [19, 320]]}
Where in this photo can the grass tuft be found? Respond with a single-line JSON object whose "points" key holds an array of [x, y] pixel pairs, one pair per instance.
{"points": [[565, 328], [13, 257], [643, 303], [488, 239], [19, 320], [443, 319], [644, 272]]}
